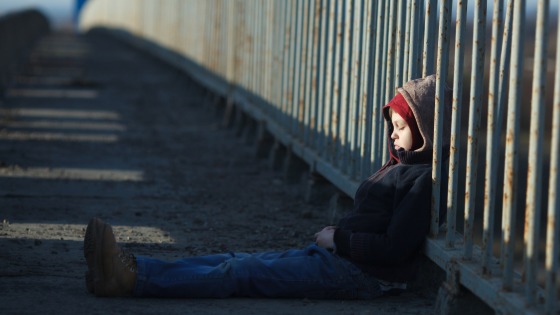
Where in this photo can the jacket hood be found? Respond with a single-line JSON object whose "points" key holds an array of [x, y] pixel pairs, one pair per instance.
{"points": [[420, 94]]}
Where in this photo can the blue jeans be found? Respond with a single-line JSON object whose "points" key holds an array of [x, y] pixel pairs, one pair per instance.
{"points": [[313, 272]]}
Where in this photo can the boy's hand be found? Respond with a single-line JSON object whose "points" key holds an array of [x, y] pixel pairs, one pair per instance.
{"points": [[325, 238]]}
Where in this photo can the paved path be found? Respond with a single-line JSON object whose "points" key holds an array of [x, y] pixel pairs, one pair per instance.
{"points": [[94, 128]]}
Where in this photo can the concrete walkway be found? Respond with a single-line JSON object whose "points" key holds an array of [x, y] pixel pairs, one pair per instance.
{"points": [[94, 128]]}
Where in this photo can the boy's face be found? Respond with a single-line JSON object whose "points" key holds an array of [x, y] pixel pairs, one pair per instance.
{"points": [[402, 135]]}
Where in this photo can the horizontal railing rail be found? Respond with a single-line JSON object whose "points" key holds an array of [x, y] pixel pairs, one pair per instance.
{"points": [[317, 72]]}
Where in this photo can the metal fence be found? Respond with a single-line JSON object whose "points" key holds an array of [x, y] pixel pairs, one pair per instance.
{"points": [[317, 72]]}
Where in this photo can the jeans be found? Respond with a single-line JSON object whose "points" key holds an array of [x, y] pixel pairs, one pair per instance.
{"points": [[312, 272]]}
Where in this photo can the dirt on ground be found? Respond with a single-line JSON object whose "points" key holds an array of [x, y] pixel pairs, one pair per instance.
{"points": [[91, 127]]}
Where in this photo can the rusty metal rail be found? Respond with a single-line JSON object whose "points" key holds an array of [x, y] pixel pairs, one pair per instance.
{"points": [[317, 72]]}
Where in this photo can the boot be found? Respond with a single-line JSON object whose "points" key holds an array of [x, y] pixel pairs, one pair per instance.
{"points": [[89, 251], [112, 271]]}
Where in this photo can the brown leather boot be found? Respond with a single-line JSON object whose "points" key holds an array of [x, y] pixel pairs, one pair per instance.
{"points": [[114, 270]]}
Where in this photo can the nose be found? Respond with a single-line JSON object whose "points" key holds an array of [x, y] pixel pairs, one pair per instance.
{"points": [[393, 135]]}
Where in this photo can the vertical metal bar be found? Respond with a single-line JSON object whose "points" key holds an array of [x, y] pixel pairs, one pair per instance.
{"points": [[220, 40], [367, 88], [251, 57], [315, 115], [362, 93], [230, 37], [182, 42], [493, 130], [243, 45], [534, 174], [134, 22], [505, 60], [321, 70], [344, 104], [263, 67], [239, 12], [239, 42], [390, 68], [225, 51], [211, 56], [414, 38], [153, 16], [140, 23], [417, 39], [261, 55], [303, 71], [420, 35], [297, 70], [207, 47], [287, 72], [149, 23], [279, 40], [256, 56], [272, 15], [206, 7], [264, 50], [377, 88], [512, 144], [258, 48], [251, 43], [191, 24], [407, 40], [268, 65], [553, 211], [455, 140], [334, 36], [277, 53], [441, 78], [334, 138], [216, 26], [310, 83], [477, 80], [200, 32], [383, 151], [429, 38], [274, 43], [399, 45], [330, 76], [352, 151], [207, 50]]}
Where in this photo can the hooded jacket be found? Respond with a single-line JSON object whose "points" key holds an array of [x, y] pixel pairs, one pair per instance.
{"points": [[386, 229]]}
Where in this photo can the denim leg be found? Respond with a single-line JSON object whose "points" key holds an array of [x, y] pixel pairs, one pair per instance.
{"points": [[312, 272]]}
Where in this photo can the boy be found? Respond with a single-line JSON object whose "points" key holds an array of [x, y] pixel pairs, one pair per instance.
{"points": [[371, 252]]}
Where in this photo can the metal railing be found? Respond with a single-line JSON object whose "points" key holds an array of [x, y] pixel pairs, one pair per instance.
{"points": [[317, 72]]}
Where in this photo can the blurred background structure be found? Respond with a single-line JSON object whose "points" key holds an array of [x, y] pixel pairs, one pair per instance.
{"points": [[59, 12]]}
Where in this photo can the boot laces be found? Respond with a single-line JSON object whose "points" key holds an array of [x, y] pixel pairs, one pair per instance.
{"points": [[128, 260]]}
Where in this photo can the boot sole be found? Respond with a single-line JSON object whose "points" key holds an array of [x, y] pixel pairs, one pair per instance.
{"points": [[98, 263], [89, 253]]}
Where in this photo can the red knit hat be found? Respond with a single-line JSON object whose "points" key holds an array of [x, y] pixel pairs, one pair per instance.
{"points": [[400, 106]]}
